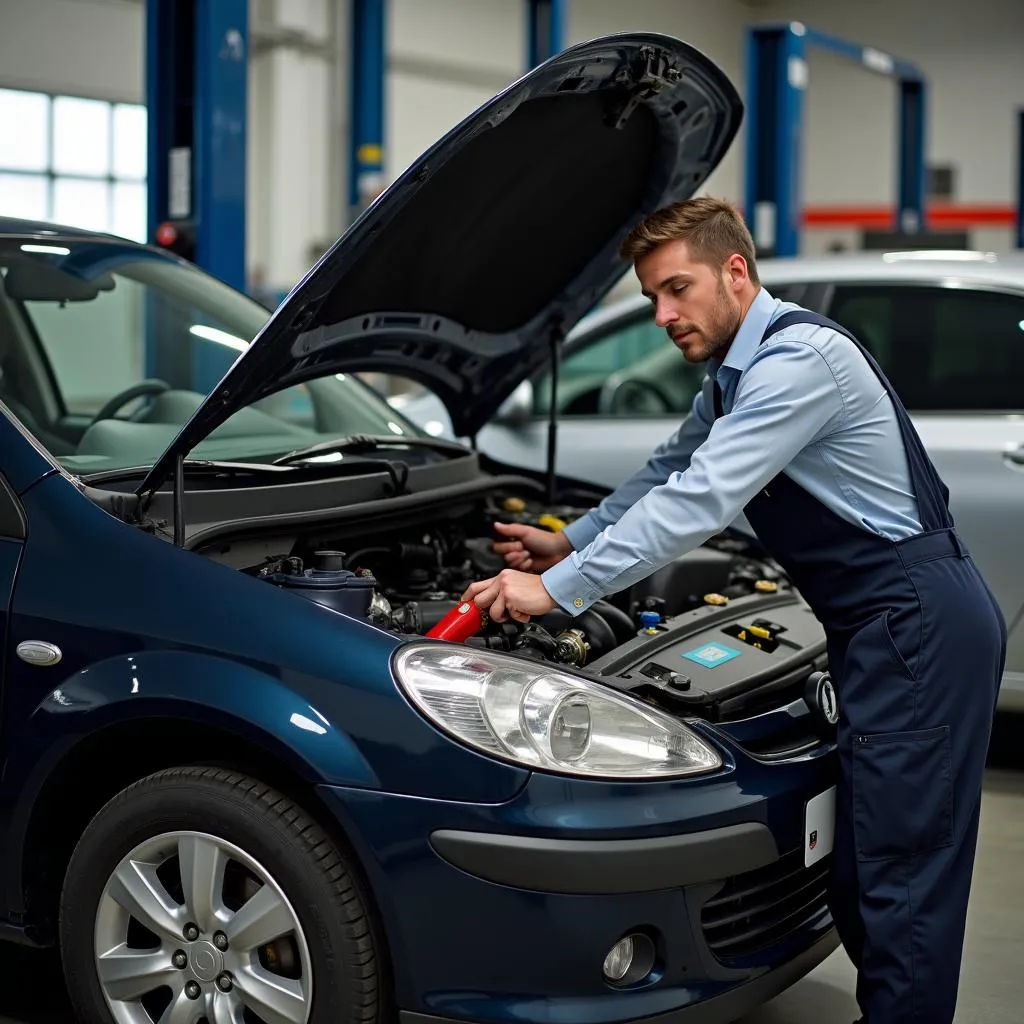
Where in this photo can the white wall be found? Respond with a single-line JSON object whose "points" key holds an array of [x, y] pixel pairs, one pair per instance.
{"points": [[297, 129], [91, 48]]}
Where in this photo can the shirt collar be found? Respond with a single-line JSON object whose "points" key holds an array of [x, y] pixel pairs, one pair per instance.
{"points": [[761, 313]]}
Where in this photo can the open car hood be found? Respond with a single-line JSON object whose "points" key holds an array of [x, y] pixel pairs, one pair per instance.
{"points": [[491, 245]]}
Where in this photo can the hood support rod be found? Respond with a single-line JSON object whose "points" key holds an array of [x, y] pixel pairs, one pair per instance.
{"points": [[555, 339], [179, 501]]}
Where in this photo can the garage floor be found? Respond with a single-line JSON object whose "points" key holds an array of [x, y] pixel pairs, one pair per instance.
{"points": [[992, 982]]}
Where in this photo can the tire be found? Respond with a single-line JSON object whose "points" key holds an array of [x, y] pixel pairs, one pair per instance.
{"points": [[329, 962]]}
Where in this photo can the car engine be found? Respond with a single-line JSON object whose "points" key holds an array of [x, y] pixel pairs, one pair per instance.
{"points": [[667, 639]]}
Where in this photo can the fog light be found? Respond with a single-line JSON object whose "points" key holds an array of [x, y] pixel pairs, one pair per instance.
{"points": [[630, 960], [619, 959]]}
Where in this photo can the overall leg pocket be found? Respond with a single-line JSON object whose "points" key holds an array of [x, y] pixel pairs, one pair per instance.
{"points": [[884, 626], [876, 687], [902, 793]]}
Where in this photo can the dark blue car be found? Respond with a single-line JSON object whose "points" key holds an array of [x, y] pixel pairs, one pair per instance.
{"points": [[240, 784]]}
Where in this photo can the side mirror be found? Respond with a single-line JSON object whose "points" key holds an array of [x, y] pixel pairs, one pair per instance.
{"points": [[518, 407]]}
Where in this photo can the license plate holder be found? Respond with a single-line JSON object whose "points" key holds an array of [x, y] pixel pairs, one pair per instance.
{"points": [[819, 826]]}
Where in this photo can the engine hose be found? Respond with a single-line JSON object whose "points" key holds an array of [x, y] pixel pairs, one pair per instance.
{"points": [[422, 556], [599, 634], [555, 620], [619, 621], [537, 638], [353, 559]]}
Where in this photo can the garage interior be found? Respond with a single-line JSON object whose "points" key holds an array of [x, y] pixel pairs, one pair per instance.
{"points": [[248, 135]]}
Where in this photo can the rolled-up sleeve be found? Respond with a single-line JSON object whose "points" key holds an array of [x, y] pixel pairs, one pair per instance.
{"points": [[786, 399]]}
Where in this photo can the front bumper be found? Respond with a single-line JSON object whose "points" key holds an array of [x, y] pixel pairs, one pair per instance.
{"points": [[729, 1006], [506, 912]]}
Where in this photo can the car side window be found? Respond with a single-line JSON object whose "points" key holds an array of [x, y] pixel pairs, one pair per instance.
{"points": [[631, 369], [944, 349]]}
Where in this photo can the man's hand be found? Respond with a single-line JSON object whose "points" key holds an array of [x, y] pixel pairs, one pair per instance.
{"points": [[530, 549], [519, 594]]}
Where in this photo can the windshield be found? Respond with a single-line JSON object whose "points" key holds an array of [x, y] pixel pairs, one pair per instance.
{"points": [[108, 348]]}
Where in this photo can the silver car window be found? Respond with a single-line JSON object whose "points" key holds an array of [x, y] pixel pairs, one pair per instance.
{"points": [[944, 349]]}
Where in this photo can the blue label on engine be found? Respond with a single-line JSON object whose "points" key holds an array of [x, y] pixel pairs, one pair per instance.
{"points": [[712, 655]]}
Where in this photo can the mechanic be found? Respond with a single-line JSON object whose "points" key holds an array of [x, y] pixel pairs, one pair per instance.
{"points": [[797, 427]]}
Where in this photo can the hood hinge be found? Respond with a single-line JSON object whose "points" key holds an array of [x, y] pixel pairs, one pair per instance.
{"points": [[649, 74]]}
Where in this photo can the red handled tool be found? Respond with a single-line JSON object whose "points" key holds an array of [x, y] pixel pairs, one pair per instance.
{"points": [[459, 624]]}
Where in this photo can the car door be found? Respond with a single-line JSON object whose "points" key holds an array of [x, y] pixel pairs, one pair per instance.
{"points": [[954, 352], [12, 540]]}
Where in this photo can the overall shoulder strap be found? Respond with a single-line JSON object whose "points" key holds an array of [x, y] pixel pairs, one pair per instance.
{"points": [[806, 316]]}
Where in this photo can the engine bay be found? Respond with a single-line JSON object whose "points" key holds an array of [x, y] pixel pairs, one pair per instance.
{"points": [[699, 636]]}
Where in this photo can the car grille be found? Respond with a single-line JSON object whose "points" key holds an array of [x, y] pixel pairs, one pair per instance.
{"points": [[756, 910]]}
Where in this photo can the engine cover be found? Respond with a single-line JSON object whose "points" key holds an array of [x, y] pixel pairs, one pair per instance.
{"points": [[722, 662]]}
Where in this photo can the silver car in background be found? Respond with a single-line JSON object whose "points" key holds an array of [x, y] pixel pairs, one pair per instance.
{"points": [[947, 328]]}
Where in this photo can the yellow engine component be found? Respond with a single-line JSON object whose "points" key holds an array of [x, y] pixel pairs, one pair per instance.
{"points": [[513, 505], [766, 587], [553, 523], [716, 599]]}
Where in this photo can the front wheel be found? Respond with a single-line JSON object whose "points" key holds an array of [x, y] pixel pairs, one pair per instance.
{"points": [[199, 894]]}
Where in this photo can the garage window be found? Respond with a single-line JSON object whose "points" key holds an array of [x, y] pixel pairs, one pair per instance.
{"points": [[78, 161], [944, 349]]}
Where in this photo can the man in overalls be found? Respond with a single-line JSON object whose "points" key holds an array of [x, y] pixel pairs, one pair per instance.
{"points": [[797, 427]]}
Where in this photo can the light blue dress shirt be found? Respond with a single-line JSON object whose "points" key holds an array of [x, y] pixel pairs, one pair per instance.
{"points": [[806, 401]]}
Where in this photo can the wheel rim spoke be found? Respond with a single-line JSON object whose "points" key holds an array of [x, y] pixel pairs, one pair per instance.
{"points": [[182, 1010], [273, 999], [227, 1009], [202, 864], [135, 887], [130, 974], [262, 919]]}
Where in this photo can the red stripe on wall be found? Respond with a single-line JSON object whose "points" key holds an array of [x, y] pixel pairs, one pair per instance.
{"points": [[962, 215]]}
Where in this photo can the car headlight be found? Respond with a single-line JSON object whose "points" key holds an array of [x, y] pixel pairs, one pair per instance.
{"points": [[543, 718]]}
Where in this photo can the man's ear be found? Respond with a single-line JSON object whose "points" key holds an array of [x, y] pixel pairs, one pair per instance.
{"points": [[736, 271]]}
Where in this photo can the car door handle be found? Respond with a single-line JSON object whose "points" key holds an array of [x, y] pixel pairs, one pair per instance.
{"points": [[1015, 455]]}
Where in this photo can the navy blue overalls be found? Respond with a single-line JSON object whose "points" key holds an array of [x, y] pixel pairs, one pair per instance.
{"points": [[916, 647]]}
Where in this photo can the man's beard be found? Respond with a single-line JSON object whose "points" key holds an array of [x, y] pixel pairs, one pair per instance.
{"points": [[716, 338]]}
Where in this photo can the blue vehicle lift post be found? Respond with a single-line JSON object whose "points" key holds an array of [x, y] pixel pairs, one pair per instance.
{"points": [[366, 140], [196, 80], [1019, 233], [776, 78], [545, 30]]}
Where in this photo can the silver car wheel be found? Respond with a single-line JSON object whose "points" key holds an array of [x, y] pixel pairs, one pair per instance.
{"points": [[190, 927]]}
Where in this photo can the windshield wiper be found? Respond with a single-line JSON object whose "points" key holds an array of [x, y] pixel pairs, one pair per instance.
{"points": [[357, 443], [209, 466]]}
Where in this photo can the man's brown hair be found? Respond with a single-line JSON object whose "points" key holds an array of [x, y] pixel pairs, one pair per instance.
{"points": [[712, 228]]}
